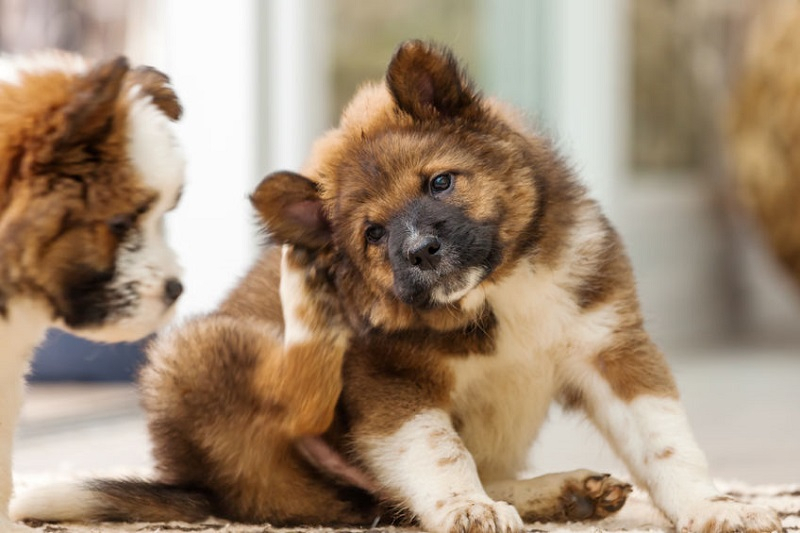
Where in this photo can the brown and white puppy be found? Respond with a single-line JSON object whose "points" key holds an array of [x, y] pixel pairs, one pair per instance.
{"points": [[88, 167], [446, 278]]}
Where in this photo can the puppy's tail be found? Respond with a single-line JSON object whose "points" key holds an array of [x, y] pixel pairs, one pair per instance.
{"points": [[111, 500]]}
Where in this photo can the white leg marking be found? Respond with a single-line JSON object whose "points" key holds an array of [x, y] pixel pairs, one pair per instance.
{"points": [[293, 292], [652, 435], [20, 332], [11, 385], [654, 438], [426, 466]]}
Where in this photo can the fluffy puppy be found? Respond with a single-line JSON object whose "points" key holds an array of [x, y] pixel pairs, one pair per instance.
{"points": [[446, 279], [88, 167]]}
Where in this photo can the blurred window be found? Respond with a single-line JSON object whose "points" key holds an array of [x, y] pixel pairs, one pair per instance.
{"points": [[96, 28], [365, 34], [681, 57]]}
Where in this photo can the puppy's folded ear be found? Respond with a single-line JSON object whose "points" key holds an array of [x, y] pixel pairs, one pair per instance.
{"points": [[89, 115], [156, 84], [427, 82], [290, 207]]}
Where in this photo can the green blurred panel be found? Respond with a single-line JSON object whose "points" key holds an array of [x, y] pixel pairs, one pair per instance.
{"points": [[365, 33]]}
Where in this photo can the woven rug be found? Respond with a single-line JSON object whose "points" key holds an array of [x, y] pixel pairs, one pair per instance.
{"points": [[637, 515]]}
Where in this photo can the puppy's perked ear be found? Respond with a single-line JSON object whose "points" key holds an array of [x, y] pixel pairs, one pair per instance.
{"points": [[156, 84], [427, 82], [89, 115], [290, 207]]}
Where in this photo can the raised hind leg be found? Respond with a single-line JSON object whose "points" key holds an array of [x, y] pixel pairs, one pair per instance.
{"points": [[563, 497]]}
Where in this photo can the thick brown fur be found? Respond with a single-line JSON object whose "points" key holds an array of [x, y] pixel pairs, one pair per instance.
{"points": [[443, 277]]}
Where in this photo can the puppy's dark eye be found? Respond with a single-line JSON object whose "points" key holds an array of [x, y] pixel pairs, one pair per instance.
{"points": [[375, 233], [121, 224], [441, 183]]}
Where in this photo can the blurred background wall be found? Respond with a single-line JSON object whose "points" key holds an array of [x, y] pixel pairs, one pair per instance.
{"points": [[636, 92]]}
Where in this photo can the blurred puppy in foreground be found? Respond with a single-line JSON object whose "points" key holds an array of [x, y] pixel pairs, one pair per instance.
{"points": [[89, 166], [443, 279]]}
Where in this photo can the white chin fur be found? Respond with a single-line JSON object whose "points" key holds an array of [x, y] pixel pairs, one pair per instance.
{"points": [[471, 280]]}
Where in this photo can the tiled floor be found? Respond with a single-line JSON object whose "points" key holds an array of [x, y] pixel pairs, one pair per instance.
{"points": [[743, 404]]}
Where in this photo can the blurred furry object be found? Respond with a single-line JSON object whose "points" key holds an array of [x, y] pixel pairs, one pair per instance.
{"points": [[765, 132]]}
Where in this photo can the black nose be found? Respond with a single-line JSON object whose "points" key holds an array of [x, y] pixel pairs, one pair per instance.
{"points": [[425, 253], [172, 290]]}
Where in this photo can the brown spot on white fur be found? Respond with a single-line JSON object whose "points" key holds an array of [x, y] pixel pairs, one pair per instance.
{"points": [[447, 461], [666, 453], [635, 367], [722, 499]]}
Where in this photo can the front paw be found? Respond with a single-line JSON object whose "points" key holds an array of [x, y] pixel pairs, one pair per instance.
{"points": [[472, 515], [726, 515]]}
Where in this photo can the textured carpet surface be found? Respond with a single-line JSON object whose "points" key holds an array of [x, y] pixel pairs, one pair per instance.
{"points": [[637, 515]]}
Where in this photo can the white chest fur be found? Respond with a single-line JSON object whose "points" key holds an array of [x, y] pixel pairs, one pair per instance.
{"points": [[500, 400]]}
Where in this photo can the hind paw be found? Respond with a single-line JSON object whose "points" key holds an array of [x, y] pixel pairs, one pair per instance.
{"points": [[591, 496]]}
